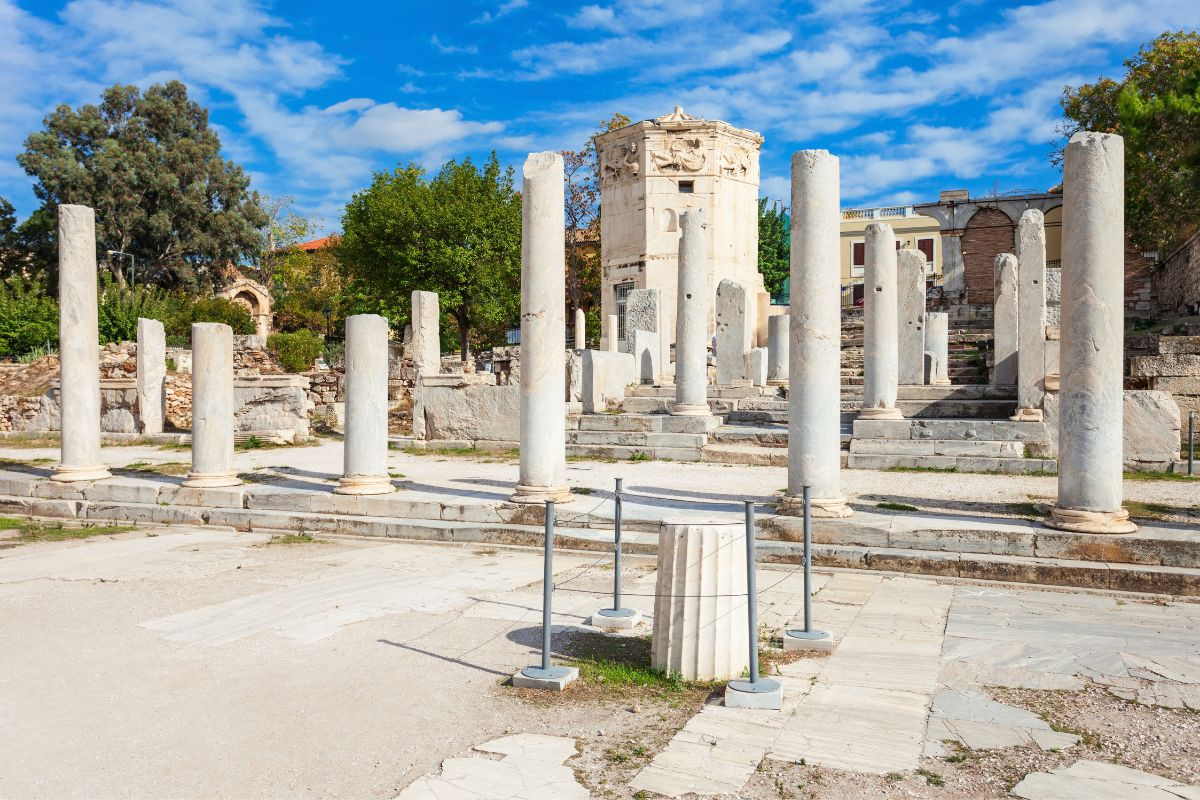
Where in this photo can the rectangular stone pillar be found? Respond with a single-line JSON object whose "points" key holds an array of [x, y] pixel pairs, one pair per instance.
{"points": [[815, 374], [212, 407], [777, 350], [78, 347], [1090, 423], [937, 348], [1004, 321], [954, 274], [580, 332], [732, 332], [762, 313], [365, 444], [543, 333], [881, 347], [910, 294], [644, 311], [1031, 315], [610, 338], [691, 317], [426, 334], [151, 373]]}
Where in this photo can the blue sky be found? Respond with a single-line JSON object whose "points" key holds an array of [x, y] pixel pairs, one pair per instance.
{"points": [[311, 97]]}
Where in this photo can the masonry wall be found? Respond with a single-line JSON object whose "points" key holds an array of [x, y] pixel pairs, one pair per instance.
{"points": [[988, 233], [1177, 284]]}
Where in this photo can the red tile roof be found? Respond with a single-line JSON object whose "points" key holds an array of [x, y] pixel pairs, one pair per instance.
{"points": [[316, 244]]}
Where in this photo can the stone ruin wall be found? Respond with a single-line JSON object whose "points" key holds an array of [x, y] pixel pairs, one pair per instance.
{"points": [[1177, 283]]}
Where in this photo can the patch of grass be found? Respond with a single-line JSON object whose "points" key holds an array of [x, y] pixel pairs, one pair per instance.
{"points": [[147, 468], [894, 777], [174, 446], [1152, 511], [599, 459], [9, 523], [1025, 509], [292, 538], [639, 455], [920, 469], [486, 551], [581, 490], [43, 532], [251, 443], [932, 778], [1157, 476], [890, 506]]}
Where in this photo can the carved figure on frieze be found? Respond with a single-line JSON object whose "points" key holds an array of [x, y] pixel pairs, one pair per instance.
{"points": [[682, 155], [621, 162], [737, 162]]}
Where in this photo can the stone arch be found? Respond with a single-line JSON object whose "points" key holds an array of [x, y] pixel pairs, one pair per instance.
{"points": [[988, 233], [255, 298]]}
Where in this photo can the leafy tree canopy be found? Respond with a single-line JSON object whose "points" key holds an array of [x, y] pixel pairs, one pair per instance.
{"points": [[151, 168], [774, 243], [1156, 107], [458, 234]]}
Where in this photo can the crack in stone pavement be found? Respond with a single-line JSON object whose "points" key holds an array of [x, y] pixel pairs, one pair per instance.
{"points": [[531, 769]]}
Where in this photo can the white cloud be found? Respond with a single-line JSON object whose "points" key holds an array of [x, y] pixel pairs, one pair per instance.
{"points": [[502, 10], [452, 49]]}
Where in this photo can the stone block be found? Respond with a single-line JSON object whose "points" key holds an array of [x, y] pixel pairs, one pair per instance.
{"points": [[756, 366], [1172, 345], [220, 497], [17, 487], [117, 490], [645, 311], [732, 333], [645, 348], [882, 429], [127, 512], [912, 447], [697, 424], [555, 684], [605, 376], [1173, 364], [468, 411], [1151, 426]]}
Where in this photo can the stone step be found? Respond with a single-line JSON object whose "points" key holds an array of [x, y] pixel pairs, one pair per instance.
{"points": [[1005, 465], [762, 436], [989, 410], [645, 422], [730, 453], [947, 429], [978, 448], [640, 439], [633, 453]]}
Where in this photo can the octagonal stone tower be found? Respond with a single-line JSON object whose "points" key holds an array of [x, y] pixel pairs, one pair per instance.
{"points": [[650, 173]]}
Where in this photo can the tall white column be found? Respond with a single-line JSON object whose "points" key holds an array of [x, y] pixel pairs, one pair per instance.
{"points": [[365, 445], [151, 373], [580, 330], [1090, 421], [910, 299], [78, 347], [815, 383], [611, 343], [426, 334], [778, 338], [937, 344], [1031, 316], [212, 406], [691, 317], [881, 347], [1004, 322], [543, 333]]}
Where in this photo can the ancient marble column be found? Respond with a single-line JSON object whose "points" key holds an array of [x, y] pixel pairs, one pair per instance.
{"points": [[365, 445], [543, 333], [881, 348], [580, 329], [1090, 430], [78, 347], [814, 379], [151, 373], [777, 350], [762, 313], [614, 326], [212, 407], [691, 317], [1004, 322], [937, 343], [1031, 315], [954, 276], [426, 334], [732, 330], [910, 294]]}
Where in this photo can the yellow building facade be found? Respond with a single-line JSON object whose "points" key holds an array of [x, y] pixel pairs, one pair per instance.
{"points": [[913, 232]]}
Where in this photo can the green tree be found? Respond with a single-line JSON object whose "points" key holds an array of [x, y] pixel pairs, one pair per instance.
{"points": [[774, 243], [28, 316], [11, 255], [151, 168], [1156, 107], [458, 234]]}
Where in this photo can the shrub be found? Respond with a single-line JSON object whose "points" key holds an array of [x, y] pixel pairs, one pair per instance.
{"points": [[28, 317], [119, 309], [210, 309], [296, 351]]}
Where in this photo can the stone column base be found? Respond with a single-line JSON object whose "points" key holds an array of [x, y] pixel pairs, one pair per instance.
{"points": [[211, 480], [820, 508], [880, 413], [65, 474], [1028, 415], [538, 495], [940, 382], [777, 382], [1078, 521], [364, 484], [688, 410]]}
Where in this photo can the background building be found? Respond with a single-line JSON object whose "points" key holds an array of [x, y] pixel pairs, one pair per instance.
{"points": [[913, 231]]}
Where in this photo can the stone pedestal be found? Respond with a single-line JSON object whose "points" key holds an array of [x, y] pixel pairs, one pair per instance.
{"points": [[732, 332], [691, 317], [365, 446], [777, 350], [151, 373], [1031, 316], [580, 332], [910, 288], [644, 346], [815, 374], [937, 344], [613, 327], [1090, 396], [543, 330], [881, 349], [212, 407], [78, 347], [756, 366], [1004, 323], [644, 311], [426, 334], [700, 627], [762, 312]]}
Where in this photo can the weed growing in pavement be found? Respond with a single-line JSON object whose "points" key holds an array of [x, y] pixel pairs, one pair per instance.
{"points": [[43, 532], [890, 506]]}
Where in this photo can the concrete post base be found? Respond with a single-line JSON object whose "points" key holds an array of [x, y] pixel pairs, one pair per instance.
{"points": [[606, 618], [538, 495], [880, 413], [211, 480], [685, 410], [64, 474], [1077, 521], [813, 641], [364, 484], [1028, 415], [823, 508], [767, 694], [555, 679]]}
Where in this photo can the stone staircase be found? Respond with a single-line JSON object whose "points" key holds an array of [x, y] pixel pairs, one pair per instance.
{"points": [[635, 436], [968, 445]]}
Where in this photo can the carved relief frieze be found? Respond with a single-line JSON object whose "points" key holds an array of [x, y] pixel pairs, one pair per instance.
{"points": [[620, 162], [737, 162], [682, 154]]}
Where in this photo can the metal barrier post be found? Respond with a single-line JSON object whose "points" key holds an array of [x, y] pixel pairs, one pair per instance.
{"points": [[753, 693], [616, 617], [809, 638], [546, 676]]}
